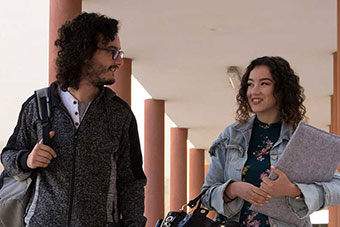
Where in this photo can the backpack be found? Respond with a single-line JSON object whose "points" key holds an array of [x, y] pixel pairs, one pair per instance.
{"points": [[14, 194]]}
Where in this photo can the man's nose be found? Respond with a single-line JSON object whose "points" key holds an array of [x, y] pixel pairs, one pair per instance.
{"points": [[119, 61]]}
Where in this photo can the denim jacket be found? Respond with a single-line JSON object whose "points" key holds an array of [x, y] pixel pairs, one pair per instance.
{"points": [[228, 156]]}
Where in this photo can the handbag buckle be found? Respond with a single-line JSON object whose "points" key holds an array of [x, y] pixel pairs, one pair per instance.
{"points": [[169, 219], [167, 222], [183, 207]]}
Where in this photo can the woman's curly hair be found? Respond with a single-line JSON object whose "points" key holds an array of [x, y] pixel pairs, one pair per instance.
{"points": [[77, 43], [287, 91]]}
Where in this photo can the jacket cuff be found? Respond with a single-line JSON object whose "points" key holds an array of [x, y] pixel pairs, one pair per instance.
{"points": [[22, 161], [228, 209], [313, 200], [299, 207]]}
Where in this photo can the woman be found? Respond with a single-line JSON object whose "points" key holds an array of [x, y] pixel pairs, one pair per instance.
{"points": [[245, 153]]}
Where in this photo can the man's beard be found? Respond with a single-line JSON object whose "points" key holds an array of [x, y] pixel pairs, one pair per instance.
{"points": [[93, 71]]}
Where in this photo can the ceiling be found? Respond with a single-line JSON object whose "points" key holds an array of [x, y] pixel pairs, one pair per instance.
{"points": [[182, 48]]}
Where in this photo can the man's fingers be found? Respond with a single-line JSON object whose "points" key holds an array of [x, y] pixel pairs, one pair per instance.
{"points": [[40, 142], [41, 159], [38, 161], [45, 155], [52, 133], [40, 164], [48, 149], [41, 155]]}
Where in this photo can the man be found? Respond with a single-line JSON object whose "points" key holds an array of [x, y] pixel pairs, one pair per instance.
{"points": [[91, 173]]}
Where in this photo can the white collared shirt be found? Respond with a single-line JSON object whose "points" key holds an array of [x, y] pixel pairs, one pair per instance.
{"points": [[75, 108]]}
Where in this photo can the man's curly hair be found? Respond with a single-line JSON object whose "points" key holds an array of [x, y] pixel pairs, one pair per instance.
{"points": [[77, 43], [287, 91]]}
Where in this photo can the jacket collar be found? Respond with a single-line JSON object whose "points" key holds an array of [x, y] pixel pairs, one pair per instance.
{"points": [[54, 94], [285, 133], [246, 129], [56, 100]]}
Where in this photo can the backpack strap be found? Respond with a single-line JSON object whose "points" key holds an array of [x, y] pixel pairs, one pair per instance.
{"points": [[44, 112], [2, 177]]}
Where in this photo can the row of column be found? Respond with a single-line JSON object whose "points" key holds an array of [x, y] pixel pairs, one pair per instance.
{"points": [[63, 10], [154, 164]]}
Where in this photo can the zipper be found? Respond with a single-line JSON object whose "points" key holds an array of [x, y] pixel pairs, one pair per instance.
{"points": [[74, 155], [73, 179], [63, 109]]}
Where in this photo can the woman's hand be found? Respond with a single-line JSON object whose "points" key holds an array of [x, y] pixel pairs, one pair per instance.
{"points": [[282, 186], [248, 192]]}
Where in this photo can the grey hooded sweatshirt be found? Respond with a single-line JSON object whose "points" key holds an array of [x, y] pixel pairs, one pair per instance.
{"points": [[97, 176]]}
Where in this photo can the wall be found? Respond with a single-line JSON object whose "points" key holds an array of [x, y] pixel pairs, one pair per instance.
{"points": [[23, 57]]}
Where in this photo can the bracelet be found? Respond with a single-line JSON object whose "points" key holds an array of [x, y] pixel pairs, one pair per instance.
{"points": [[227, 198], [299, 197]]}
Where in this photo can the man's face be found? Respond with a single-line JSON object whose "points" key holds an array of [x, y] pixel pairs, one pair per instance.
{"points": [[101, 68]]}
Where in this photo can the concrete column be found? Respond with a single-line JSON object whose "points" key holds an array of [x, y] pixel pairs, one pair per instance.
{"points": [[211, 214], [154, 159], [60, 12], [122, 86], [334, 98], [178, 167], [331, 126], [196, 172], [336, 93], [334, 212], [336, 82]]}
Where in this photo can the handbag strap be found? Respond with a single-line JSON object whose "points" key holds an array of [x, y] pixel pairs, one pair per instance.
{"points": [[192, 203]]}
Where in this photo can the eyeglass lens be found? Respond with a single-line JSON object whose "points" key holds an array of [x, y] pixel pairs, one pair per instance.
{"points": [[116, 53]]}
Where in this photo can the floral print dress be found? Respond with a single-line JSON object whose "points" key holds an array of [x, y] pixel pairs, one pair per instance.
{"points": [[257, 166]]}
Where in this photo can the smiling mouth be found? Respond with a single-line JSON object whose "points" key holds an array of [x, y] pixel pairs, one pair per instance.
{"points": [[256, 100]]}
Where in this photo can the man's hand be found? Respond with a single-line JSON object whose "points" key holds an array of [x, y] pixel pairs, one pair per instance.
{"points": [[282, 186], [41, 155], [248, 192]]}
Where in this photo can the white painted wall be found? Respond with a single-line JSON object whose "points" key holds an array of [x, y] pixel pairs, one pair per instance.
{"points": [[23, 57]]}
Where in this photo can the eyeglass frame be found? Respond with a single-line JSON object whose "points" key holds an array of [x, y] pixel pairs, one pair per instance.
{"points": [[115, 52]]}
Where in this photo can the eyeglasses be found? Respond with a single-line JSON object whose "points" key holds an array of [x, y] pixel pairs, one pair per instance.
{"points": [[115, 52]]}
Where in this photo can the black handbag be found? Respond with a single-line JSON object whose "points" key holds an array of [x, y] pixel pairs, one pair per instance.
{"points": [[195, 218]]}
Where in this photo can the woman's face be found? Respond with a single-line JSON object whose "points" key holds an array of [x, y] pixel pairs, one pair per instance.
{"points": [[260, 95]]}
